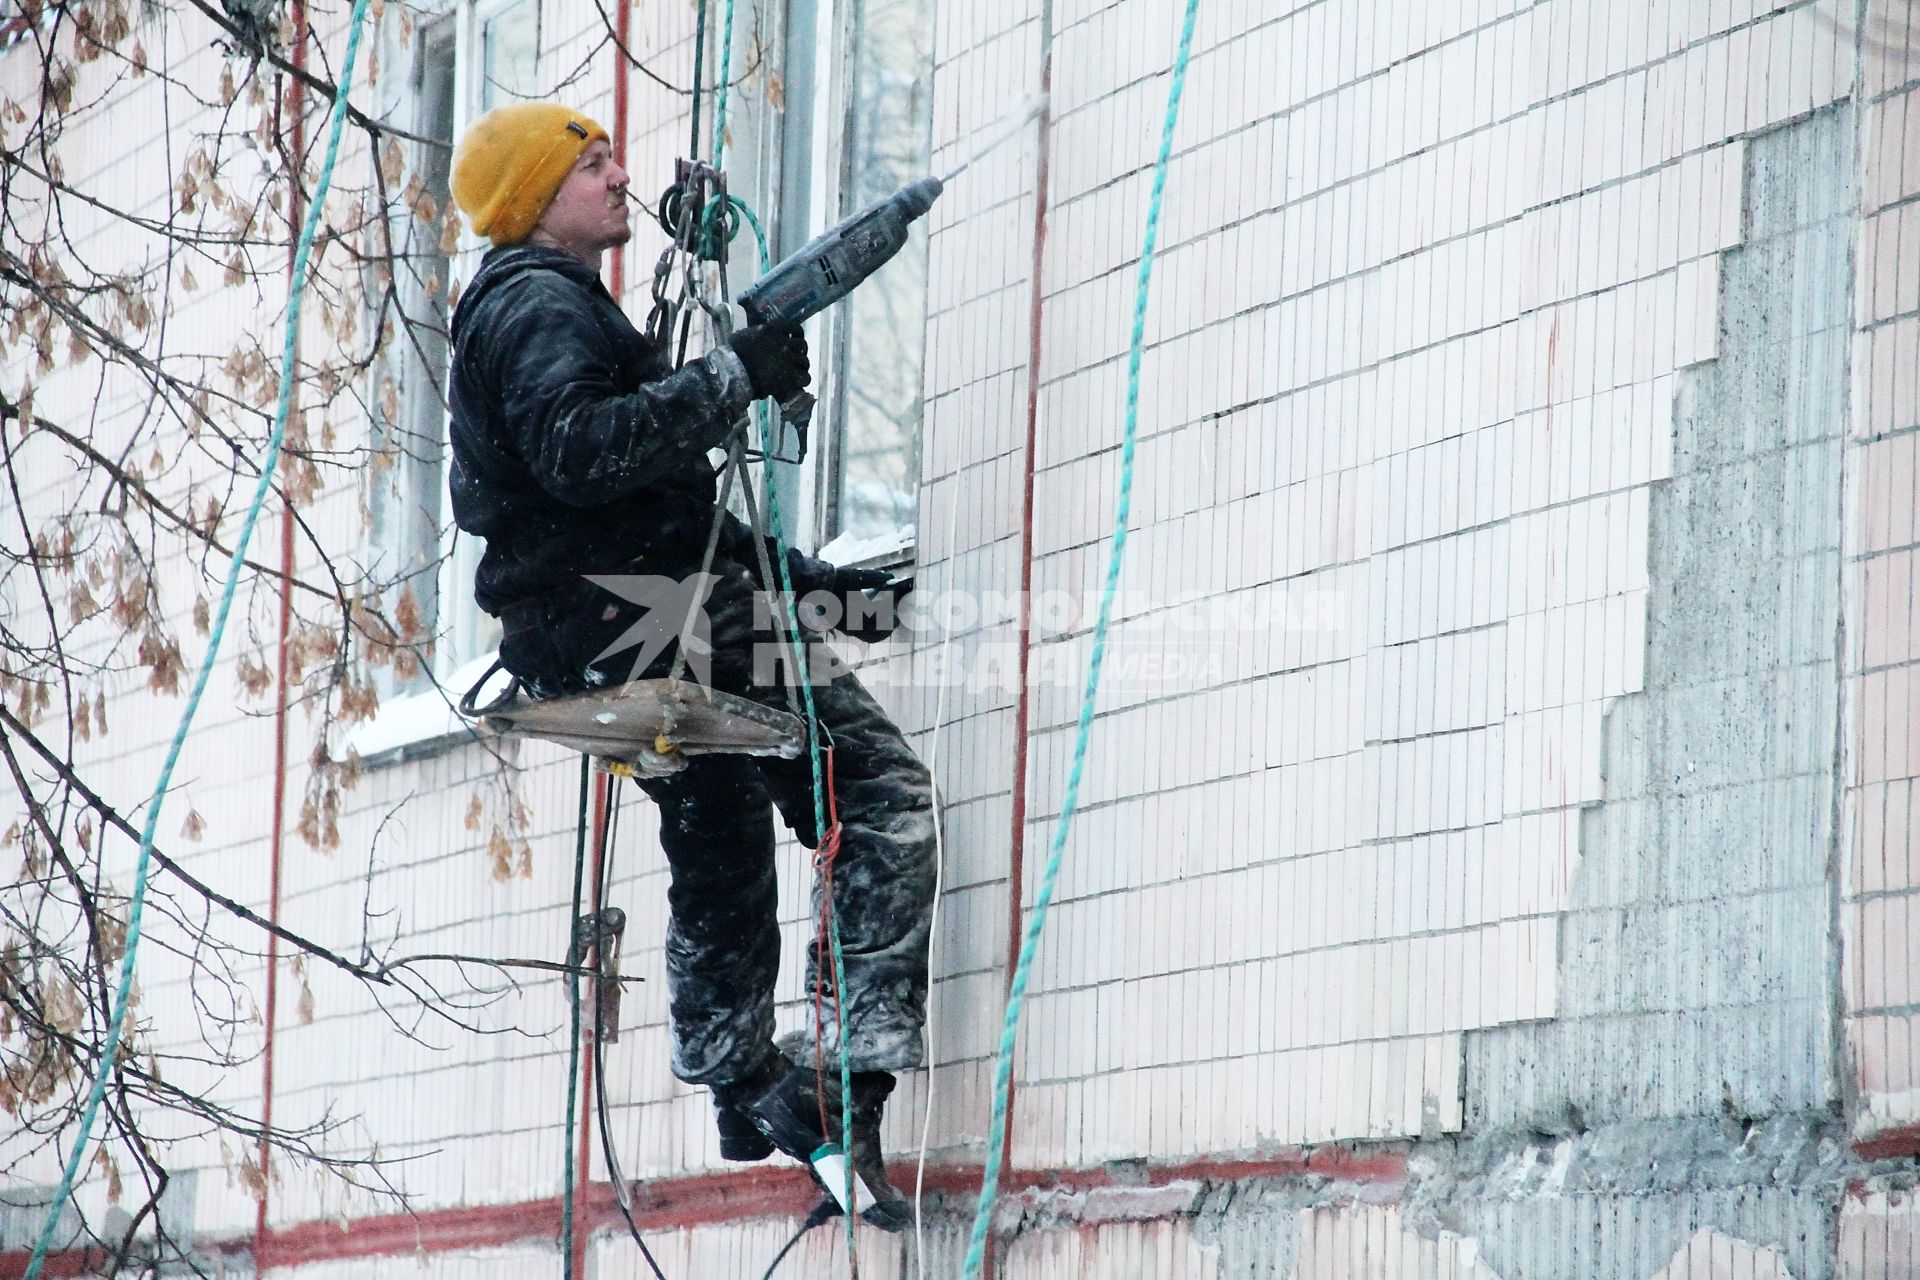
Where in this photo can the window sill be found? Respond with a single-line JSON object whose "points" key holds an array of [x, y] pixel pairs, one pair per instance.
{"points": [[419, 724], [893, 549]]}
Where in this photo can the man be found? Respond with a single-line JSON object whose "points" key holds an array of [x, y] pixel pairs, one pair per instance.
{"points": [[579, 450]]}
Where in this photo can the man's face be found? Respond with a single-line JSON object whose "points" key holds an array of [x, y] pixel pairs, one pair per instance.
{"points": [[589, 212]]}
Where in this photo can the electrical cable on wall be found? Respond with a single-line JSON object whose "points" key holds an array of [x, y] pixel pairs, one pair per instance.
{"points": [[826, 837], [622, 1197], [710, 239]]}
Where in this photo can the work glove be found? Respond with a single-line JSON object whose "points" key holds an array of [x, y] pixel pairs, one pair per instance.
{"points": [[775, 358], [875, 621], [803, 571], [869, 599]]}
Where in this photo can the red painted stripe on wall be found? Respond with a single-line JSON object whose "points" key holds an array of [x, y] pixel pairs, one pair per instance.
{"points": [[734, 1196], [1890, 1144]]}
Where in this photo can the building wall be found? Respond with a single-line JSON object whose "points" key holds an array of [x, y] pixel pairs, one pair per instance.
{"points": [[1512, 878]]}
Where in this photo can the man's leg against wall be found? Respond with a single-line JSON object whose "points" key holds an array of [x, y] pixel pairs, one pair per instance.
{"points": [[882, 877], [723, 939]]}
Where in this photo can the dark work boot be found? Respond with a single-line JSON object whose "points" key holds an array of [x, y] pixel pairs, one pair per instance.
{"points": [[740, 1142], [740, 1139], [789, 1114], [889, 1210]]}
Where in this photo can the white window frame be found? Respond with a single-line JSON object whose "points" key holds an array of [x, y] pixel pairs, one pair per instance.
{"points": [[471, 634], [829, 94], [466, 638]]}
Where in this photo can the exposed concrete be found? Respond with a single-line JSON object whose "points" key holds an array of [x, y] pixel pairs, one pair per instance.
{"points": [[1696, 966], [1046, 1206], [1686, 1096], [1256, 1223], [1619, 1201]]}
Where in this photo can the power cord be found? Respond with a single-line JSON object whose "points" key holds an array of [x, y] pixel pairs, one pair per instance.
{"points": [[622, 1198], [824, 1212], [933, 920]]}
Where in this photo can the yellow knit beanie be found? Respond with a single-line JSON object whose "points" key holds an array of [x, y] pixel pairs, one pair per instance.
{"points": [[512, 161]]}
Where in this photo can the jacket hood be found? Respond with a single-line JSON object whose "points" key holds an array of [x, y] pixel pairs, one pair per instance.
{"points": [[504, 264]]}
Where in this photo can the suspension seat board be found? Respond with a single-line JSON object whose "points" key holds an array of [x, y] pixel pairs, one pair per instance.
{"points": [[631, 721]]}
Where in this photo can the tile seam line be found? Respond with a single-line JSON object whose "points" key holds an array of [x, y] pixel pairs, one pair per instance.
{"points": [[1398, 837], [1877, 323], [953, 306], [1153, 887], [1518, 315], [1897, 91], [1863, 896], [1402, 1038], [1204, 968], [1565, 95], [1302, 577], [1863, 671], [1493, 327], [1517, 13], [1481, 228], [1243, 682], [1112, 5]]}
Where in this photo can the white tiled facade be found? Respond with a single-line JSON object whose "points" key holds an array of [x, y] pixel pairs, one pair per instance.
{"points": [[1441, 292]]}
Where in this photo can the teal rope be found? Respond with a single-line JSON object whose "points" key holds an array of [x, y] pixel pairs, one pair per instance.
{"points": [[116, 1021], [1030, 939], [713, 217], [721, 91], [798, 645], [699, 66]]}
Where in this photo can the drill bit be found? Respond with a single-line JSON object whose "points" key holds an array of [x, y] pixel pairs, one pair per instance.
{"points": [[1028, 112]]}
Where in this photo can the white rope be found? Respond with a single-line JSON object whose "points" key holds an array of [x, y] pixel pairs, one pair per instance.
{"points": [[933, 923]]}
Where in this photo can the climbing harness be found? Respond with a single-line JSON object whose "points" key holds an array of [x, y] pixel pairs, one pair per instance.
{"points": [[649, 727]]}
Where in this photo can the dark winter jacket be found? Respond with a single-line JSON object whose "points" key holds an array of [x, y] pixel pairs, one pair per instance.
{"points": [[577, 448]]}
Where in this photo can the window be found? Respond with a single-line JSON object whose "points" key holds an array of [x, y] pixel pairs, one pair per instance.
{"points": [[848, 136], [508, 43], [876, 470], [407, 502], [413, 537], [509, 54], [859, 87], [471, 59]]}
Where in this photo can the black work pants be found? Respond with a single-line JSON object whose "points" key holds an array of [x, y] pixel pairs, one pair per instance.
{"points": [[716, 828]]}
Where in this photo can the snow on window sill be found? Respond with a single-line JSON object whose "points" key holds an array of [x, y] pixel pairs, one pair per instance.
{"points": [[420, 724], [885, 550]]}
